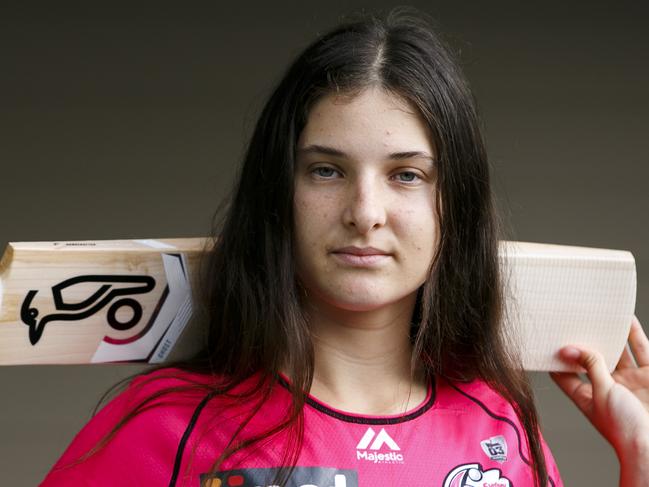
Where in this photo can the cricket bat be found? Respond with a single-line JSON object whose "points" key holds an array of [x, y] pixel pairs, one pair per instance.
{"points": [[97, 301], [112, 301]]}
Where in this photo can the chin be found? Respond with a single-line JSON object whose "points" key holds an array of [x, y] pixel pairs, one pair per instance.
{"points": [[355, 294], [359, 301], [359, 306]]}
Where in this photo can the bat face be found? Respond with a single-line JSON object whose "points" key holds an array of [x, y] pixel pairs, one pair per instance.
{"points": [[131, 300], [558, 295], [105, 301]]}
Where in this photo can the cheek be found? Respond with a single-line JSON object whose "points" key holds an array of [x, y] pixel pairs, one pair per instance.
{"points": [[418, 221], [312, 215], [419, 231]]}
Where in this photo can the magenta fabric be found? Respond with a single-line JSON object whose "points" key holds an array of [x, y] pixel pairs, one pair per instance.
{"points": [[461, 435]]}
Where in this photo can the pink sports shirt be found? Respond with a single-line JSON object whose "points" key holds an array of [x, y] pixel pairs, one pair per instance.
{"points": [[461, 435]]}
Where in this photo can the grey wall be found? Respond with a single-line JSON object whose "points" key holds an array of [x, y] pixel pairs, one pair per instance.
{"points": [[123, 121]]}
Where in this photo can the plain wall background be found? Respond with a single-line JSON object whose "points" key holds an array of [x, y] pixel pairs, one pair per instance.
{"points": [[127, 120]]}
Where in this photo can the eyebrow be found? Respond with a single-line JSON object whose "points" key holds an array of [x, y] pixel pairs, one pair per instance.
{"points": [[331, 151]]}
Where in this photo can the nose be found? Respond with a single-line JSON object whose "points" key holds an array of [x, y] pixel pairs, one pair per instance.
{"points": [[365, 208]]}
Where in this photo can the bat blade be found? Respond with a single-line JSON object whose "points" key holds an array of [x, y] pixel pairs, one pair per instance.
{"points": [[96, 301], [131, 301], [557, 295]]}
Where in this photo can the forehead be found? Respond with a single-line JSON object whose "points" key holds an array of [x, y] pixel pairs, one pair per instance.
{"points": [[373, 121]]}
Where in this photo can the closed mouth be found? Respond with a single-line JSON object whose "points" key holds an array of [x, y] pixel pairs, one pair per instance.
{"points": [[360, 251]]}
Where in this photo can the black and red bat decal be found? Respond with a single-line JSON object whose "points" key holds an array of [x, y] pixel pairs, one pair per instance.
{"points": [[91, 305]]}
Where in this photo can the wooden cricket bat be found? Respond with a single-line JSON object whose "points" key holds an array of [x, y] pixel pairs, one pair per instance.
{"points": [[131, 301], [96, 301]]}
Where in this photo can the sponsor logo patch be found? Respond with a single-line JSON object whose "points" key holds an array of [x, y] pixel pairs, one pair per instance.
{"points": [[495, 448], [266, 477], [378, 448]]}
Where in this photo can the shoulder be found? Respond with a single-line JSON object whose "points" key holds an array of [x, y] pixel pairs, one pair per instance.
{"points": [[479, 406], [473, 395], [163, 405], [490, 415], [167, 378]]}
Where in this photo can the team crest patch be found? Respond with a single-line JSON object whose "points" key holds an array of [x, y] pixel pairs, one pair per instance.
{"points": [[472, 475], [495, 448]]}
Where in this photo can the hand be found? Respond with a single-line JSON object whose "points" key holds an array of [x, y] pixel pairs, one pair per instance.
{"points": [[616, 404]]}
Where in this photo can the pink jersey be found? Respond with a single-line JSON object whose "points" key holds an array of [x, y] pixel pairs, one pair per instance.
{"points": [[461, 435]]}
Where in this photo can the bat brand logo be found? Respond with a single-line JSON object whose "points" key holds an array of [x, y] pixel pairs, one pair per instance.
{"points": [[110, 287]]}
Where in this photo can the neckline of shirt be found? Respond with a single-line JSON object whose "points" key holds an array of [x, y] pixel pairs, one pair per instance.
{"points": [[357, 418]]}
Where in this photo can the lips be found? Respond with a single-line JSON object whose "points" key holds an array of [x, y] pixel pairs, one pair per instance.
{"points": [[360, 251], [361, 256]]}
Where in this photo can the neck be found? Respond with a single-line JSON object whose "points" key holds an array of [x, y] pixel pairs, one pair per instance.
{"points": [[363, 358]]}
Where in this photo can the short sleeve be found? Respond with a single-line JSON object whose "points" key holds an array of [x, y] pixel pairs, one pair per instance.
{"points": [[91, 433], [142, 451]]}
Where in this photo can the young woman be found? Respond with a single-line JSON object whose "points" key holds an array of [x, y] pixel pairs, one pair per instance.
{"points": [[353, 304]]}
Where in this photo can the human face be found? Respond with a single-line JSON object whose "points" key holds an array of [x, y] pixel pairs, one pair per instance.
{"points": [[364, 177]]}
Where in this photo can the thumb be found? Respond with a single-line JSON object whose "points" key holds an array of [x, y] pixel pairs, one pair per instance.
{"points": [[596, 370]]}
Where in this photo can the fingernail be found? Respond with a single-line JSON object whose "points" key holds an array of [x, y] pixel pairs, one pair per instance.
{"points": [[570, 352]]}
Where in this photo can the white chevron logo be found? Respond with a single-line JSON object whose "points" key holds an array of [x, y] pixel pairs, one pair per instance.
{"points": [[377, 441]]}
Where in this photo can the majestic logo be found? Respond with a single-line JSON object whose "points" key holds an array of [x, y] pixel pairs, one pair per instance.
{"points": [[495, 448], [266, 477], [371, 444], [472, 475]]}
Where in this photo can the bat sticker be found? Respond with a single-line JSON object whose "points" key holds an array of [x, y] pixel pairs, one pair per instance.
{"points": [[92, 304]]}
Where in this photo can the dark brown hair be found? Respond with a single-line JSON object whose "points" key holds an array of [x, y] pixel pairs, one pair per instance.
{"points": [[249, 294]]}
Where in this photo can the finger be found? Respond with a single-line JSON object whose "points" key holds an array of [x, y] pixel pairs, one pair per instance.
{"points": [[626, 360], [579, 392], [596, 369], [639, 343]]}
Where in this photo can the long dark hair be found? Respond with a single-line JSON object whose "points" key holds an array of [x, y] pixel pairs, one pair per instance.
{"points": [[249, 295]]}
